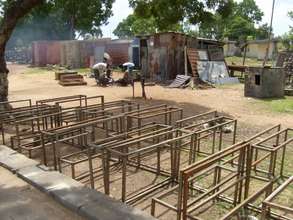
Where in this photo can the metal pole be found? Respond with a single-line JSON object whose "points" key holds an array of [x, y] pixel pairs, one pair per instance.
{"points": [[185, 61], [270, 33]]}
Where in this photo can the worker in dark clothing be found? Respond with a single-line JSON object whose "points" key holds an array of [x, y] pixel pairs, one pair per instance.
{"points": [[125, 80]]}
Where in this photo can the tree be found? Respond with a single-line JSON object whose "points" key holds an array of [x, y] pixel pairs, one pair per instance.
{"points": [[62, 20], [13, 11], [86, 16], [215, 18], [173, 15], [249, 10], [287, 38], [171, 12], [134, 25], [262, 32], [39, 24], [239, 29], [237, 25]]}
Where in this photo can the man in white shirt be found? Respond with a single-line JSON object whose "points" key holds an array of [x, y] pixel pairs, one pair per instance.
{"points": [[99, 69]]}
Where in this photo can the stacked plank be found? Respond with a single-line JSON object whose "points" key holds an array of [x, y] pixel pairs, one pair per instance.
{"points": [[60, 73], [193, 57], [71, 79], [181, 81]]}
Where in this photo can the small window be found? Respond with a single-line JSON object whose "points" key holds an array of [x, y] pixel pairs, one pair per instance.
{"points": [[257, 80]]}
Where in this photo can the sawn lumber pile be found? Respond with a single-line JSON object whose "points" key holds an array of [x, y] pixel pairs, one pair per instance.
{"points": [[72, 80]]}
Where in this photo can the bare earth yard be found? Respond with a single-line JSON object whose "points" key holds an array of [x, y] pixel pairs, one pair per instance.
{"points": [[253, 114], [33, 83]]}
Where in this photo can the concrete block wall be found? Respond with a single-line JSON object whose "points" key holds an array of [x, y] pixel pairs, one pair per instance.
{"points": [[264, 82]]}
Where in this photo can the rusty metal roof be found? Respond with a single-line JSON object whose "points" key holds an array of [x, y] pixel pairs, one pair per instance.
{"points": [[190, 36]]}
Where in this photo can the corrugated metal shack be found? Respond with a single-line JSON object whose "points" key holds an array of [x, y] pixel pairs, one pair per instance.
{"points": [[163, 55], [83, 53]]}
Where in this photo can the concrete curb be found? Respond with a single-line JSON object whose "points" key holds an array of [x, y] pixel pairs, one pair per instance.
{"points": [[86, 202]]}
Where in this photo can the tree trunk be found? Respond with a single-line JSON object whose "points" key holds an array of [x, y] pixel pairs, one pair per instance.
{"points": [[14, 11], [72, 29]]}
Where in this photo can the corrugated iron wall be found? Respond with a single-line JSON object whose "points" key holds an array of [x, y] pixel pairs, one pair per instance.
{"points": [[53, 54], [74, 54], [162, 54], [77, 54], [119, 52], [45, 52]]}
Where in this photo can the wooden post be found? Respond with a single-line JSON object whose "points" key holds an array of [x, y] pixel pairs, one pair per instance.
{"points": [[143, 88]]}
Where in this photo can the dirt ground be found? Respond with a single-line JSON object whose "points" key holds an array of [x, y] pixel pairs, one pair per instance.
{"points": [[20, 201], [252, 116], [227, 99]]}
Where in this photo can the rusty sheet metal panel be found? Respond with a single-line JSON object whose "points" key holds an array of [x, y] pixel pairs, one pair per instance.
{"points": [[180, 61], [86, 51], [144, 58], [154, 63], [119, 52], [53, 52], [191, 42], [216, 53], [45, 52], [62, 53], [165, 40], [77, 54], [39, 53], [72, 54], [164, 56], [163, 63], [33, 54], [88, 48]]}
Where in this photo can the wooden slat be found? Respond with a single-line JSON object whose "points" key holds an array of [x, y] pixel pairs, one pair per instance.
{"points": [[193, 56]]}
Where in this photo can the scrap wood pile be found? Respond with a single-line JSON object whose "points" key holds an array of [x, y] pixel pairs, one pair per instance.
{"points": [[181, 81], [145, 153], [207, 67], [69, 78]]}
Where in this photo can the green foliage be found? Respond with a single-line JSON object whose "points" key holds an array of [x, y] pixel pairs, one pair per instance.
{"points": [[287, 38], [40, 24], [134, 25], [248, 61], [215, 18], [85, 16], [171, 12], [248, 10], [237, 25], [61, 19], [262, 32], [239, 29], [280, 105]]}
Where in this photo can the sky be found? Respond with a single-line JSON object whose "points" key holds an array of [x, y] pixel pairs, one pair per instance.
{"points": [[281, 21]]}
